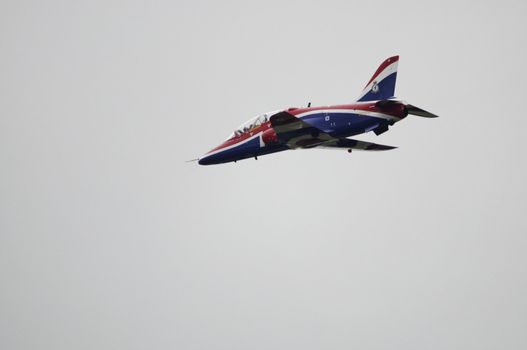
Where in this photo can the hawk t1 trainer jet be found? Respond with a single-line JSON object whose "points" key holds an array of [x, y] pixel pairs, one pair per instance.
{"points": [[327, 126]]}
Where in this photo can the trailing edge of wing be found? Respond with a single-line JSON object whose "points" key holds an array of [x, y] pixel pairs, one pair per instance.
{"points": [[356, 144]]}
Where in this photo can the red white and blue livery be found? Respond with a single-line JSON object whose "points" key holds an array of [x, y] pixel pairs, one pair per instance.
{"points": [[330, 126]]}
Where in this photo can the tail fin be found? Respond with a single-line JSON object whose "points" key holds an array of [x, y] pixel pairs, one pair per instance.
{"points": [[382, 84]]}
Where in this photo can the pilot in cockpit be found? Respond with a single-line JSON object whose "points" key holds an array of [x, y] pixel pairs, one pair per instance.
{"points": [[252, 124]]}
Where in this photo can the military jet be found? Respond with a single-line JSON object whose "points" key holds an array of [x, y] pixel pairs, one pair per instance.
{"points": [[375, 110]]}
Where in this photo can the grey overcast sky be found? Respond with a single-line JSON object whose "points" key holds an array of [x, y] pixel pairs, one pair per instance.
{"points": [[109, 240]]}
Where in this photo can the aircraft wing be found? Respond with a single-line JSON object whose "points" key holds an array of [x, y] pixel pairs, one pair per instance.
{"points": [[296, 133], [356, 144]]}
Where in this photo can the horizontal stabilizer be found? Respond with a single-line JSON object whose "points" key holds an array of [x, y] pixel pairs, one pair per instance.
{"points": [[419, 112]]}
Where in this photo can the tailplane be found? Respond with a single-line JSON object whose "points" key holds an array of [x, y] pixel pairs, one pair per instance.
{"points": [[382, 84], [411, 109]]}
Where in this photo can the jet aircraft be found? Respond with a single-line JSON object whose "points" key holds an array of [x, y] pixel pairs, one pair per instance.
{"points": [[375, 110]]}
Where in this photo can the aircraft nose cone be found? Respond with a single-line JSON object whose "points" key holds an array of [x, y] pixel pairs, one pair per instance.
{"points": [[203, 161]]}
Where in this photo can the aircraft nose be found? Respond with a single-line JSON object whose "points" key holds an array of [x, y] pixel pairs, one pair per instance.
{"points": [[204, 161]]}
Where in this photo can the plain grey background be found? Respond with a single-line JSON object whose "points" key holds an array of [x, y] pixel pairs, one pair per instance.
{"points": [[109, 240]]}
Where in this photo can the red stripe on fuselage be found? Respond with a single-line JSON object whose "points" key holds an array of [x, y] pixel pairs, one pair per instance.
{"points": [[370, 106]]}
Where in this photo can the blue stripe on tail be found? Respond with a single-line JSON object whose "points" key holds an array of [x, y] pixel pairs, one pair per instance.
{"points": [[383, 90]]}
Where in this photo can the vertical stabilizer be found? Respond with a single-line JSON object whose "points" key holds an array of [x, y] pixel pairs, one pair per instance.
{"points": [[382, 84]]}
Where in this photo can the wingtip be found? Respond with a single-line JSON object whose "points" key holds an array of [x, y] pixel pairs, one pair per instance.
{"points": [[386, 148]]}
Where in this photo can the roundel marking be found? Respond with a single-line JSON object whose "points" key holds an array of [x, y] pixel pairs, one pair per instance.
{"points": [[375, 87]]}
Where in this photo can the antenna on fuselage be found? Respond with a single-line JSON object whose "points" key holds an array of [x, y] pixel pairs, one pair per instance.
{"points": [[308, 104]]}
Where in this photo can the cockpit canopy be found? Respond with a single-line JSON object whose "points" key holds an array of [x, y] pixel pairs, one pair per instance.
{"points": [[253, 123]]}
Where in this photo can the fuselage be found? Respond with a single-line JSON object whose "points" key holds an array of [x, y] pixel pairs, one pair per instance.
{"points": [[339, 121]]}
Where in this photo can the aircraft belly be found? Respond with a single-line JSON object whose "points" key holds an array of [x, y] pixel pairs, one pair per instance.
{"points": [[352, 124]]}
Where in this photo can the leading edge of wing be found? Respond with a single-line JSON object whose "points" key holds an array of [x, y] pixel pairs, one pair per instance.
{"points": [[283, 122], [297, 133]]}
